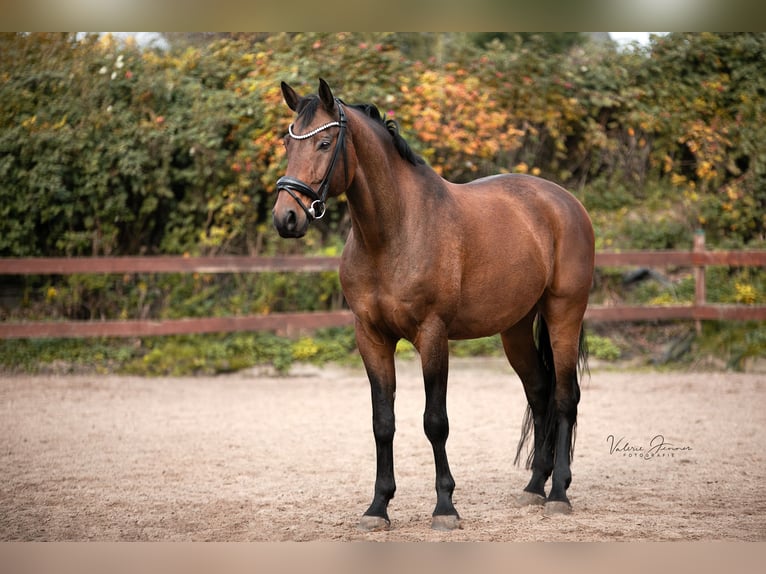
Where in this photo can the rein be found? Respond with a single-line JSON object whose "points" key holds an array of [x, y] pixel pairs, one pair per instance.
{"points": [[292, 185]]}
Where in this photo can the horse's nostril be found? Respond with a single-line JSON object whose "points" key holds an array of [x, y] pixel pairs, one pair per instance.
{"points": [[291, 220]]}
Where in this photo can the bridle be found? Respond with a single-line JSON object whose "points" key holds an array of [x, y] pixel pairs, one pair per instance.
{"points": [[292, 185]]}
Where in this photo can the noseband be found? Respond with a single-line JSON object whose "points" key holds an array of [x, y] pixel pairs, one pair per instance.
{"points": [[293, 185]]}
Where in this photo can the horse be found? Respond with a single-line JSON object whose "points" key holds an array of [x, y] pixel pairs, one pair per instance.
{"points": [[430, 261]]}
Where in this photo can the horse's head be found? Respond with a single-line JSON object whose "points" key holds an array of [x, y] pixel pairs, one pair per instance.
{"points": [[315, 148]]}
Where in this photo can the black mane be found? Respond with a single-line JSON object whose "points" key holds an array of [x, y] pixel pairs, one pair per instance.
{"points": [[308, 106]]}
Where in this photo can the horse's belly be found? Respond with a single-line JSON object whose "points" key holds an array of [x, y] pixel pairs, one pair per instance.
{"points": [[490, 318], [490, 306]]}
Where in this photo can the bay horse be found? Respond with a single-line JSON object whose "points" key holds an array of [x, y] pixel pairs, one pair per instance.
{"points": [[428, 261]]}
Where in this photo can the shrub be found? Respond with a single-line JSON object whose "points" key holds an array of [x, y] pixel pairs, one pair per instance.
{"points": [[602, 348]]}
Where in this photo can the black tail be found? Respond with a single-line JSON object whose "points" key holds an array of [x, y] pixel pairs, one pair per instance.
{"points": [[545, 354]]}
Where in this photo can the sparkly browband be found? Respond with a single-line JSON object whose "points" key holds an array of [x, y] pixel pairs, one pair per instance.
{"points": [[312, 132]]}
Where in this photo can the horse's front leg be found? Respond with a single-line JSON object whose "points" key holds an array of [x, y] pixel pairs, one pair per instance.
{"points": [[377, 353], [433, 346]]}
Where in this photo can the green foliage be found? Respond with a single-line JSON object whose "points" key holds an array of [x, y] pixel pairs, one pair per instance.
{"points": [[405, 349], [734, 342], [602, 348], [336, 345], [704, 116], [744, 286], [210, 354], [38, 355], [117, 150], [486, 346], [107, 148], [554, 42], [172, 296], [178, 355], [724, 285]]}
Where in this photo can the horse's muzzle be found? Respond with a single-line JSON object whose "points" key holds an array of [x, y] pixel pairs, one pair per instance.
{"points": [[290, 223]]}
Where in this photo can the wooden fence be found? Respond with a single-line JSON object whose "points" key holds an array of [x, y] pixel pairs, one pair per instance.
{"points": [[699, 310]]}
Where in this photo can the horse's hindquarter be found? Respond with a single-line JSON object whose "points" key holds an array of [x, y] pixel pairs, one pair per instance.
{"points": [[523, 237], [571, 238]]}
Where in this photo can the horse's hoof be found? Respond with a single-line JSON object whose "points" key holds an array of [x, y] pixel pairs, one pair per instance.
{"points": [[553, 507], [373, 523], [529, 499], [446, 522]]}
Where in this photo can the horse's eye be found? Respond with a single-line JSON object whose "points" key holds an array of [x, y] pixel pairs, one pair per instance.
{"points": [[323, 145]]}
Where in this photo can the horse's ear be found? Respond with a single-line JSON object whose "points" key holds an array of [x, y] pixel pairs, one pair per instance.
{"points": [[291, 98], [325, 95]]}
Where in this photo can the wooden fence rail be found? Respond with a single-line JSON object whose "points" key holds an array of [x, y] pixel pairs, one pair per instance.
{"points": [[290, 322]]}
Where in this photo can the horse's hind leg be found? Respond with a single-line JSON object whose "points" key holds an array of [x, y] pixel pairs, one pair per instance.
{"points": [[520, 348], [564, 324]]}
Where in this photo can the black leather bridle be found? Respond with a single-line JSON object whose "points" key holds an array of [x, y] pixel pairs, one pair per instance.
{"points": [[292, 185]]}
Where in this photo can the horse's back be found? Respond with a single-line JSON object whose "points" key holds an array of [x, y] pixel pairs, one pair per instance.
{"points": [[532, 192]]}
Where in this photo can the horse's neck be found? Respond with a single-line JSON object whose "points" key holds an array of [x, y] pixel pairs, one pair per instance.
{"points": [[389, 196], [373, 215], [383, 201]]}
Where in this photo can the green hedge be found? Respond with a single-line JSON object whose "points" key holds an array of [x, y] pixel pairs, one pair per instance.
{"points": [[108, 148]]}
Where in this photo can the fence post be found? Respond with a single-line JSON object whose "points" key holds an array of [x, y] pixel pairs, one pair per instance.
{"points": [[700, 295]]}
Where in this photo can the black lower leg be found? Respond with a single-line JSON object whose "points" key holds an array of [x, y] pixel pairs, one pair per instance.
{"points": [[542, 460], [539, 394], [566, 420], [435, 361], [562, 474], [436, 426], [383, 424]]}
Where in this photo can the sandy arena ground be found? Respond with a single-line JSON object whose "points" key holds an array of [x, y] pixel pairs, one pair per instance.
{"points": [[256, 457]]}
